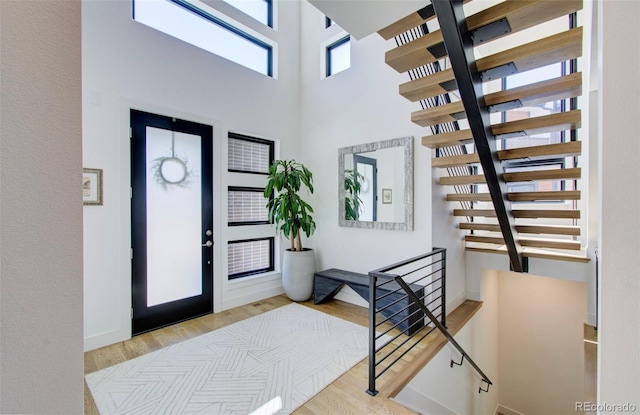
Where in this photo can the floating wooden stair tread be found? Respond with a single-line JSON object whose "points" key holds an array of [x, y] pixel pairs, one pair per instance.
{"points": [[549, 229], [522, 14], [536, 243], [567, 86], [461, 180], [407, 23], [571, 148], [552, 174], [531, 229], [516, 196], [455, 161], [511, 16], [439, 114], [447, 139], [568, 149], [546, 213], [486, 213], [429, 86], [534, 253], [553, 49], [468, 197], [415, 53], [522, 213], [533, 196], [569, 120], [479, 226]]}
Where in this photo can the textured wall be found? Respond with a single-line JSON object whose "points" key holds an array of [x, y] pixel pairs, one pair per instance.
{"points": [[41, 208]]}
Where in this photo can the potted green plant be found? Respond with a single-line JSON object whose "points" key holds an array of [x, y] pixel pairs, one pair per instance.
{"points": [[352, 187], [291, 215]]}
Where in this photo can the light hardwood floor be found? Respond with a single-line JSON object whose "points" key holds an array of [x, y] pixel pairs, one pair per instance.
{"points": [[345, 396]]}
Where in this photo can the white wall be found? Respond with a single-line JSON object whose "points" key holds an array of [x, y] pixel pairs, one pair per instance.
{"points": [[356, 106], [540, 343], [41, 363], [619, 325], [129, 65]]}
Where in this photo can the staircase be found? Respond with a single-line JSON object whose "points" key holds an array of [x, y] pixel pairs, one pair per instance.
{"points": [[503, 125]]}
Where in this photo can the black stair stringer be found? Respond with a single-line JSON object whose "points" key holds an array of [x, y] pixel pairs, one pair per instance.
{"points": [[457, 40]]}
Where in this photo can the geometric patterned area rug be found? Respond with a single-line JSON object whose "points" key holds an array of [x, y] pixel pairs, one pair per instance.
{"points": [[265, 365]]}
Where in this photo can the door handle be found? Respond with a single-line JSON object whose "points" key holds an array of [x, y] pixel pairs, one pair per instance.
{"points": [[208, 244]]}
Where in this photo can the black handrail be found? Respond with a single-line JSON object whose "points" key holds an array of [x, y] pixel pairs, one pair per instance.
{"points": [[416, 300]]}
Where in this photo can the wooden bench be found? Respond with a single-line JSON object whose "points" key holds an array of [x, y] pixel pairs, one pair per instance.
{"points": [[327, 283]]}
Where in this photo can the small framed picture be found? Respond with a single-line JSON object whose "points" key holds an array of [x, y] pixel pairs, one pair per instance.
{"points": [[386, 196], [91, 187]]}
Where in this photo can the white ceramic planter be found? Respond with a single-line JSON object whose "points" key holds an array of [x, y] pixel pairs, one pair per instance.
{"points": [[298, 268]]}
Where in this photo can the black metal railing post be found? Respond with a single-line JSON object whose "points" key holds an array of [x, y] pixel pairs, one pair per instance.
{"points": [[372, 334], [396, 324], [443, 282]]}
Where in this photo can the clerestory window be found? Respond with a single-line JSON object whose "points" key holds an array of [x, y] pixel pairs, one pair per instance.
{"points": [[195, 23]]}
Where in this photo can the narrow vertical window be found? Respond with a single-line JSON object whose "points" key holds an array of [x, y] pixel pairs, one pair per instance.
{"points": [[328, 22], [250, 251], [339, 56]]}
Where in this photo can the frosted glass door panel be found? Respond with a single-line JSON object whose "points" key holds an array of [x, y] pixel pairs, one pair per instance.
{"points": [[174, 216]]}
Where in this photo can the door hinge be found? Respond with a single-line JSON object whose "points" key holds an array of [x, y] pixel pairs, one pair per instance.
{"points": [[131, 193], [131, 253], [130, 133], [131, 313]]}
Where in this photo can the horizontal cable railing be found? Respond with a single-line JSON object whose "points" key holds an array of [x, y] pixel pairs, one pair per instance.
{"points": [[402, 297], [396, 321]]}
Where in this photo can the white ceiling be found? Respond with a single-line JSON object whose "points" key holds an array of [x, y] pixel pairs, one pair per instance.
{"points": [[360, 18]]}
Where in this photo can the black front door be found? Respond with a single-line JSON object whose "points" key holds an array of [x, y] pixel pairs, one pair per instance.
{"points": [[171, 220]]}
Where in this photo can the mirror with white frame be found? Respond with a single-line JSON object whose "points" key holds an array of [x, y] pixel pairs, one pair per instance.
{"points": [[376, 185]]}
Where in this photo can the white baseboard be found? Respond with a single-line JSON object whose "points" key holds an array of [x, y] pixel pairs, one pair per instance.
{"points": [[506, 411], [251, 297], [420, 403], [105, 339], [455, 302], [474, 295]]}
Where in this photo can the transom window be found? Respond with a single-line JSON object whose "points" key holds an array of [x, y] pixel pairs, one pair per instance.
{"points": [[261, 10], [192, 22]]}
